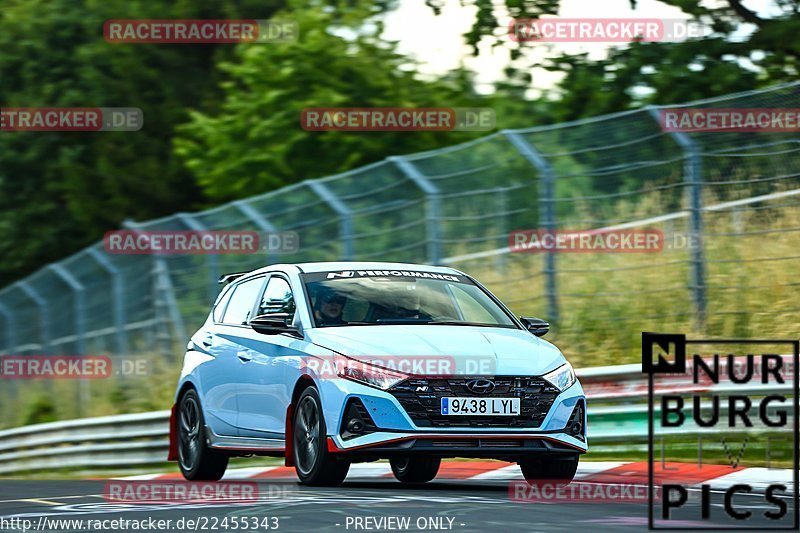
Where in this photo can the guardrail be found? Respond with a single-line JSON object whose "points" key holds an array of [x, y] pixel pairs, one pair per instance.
{"points": [[122, 440], [143, 438]]}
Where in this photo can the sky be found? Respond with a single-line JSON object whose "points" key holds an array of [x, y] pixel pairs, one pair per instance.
{"points": [[438, 44]]}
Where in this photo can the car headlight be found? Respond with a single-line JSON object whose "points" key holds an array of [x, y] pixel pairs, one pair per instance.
{"points": [[366, 373], [562, 377]]}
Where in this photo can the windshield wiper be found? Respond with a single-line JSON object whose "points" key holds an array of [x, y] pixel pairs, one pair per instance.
{"points": [[461, 323], [402, 320], [412, 321], [349, 324]]}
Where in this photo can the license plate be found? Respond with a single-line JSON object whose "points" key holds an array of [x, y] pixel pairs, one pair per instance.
{"points": [[480, 406]]}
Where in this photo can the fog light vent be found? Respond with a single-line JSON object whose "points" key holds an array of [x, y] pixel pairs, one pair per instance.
{"points": [[356, 421], [575, 426]]}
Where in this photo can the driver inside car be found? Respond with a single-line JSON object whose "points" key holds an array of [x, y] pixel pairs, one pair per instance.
{"points": [[329, 307]]}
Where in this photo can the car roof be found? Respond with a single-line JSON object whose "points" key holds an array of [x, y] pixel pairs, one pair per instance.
{"points": [[333, 266]]}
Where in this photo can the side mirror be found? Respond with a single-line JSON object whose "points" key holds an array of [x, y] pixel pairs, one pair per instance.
{"points": [[537, 326], [272, 324]]}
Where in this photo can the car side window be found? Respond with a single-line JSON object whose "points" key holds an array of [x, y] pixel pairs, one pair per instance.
{"points": [[241, 303], [219, 308], [277, 298]]}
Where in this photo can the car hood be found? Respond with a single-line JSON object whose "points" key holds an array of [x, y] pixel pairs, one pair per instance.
{"points": [[506, 351]]}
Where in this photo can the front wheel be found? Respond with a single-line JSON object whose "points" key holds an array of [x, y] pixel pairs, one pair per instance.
{"points": [[415, 469], [197, 461], [314, 464], [558, 471]]}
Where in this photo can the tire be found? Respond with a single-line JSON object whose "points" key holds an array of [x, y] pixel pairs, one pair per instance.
{"points": [[560, 471], [415, 469], [196, 460], [314, 464]]}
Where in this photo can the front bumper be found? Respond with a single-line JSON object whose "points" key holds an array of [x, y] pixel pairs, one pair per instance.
{"points": [[446, 445], [396, 433]]}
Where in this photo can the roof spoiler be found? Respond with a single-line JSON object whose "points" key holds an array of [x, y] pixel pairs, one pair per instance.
{"points": [[227, 278]]}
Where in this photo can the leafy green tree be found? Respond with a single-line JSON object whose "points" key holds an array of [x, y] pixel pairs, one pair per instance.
{"points": [[743, 49], [255, 141], [61, 191]]}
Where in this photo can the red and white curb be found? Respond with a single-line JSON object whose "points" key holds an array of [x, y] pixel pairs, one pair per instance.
{"points": [[719, 477]]}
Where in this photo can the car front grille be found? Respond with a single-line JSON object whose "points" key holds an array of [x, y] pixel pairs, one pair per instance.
{"points": [[421, 398]]}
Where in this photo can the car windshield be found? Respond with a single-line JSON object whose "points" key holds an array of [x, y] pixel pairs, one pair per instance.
{"points": [[369, 297]]}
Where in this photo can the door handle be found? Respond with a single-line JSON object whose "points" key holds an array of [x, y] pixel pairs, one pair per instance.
{"points": [[207, 341], [244, 357]]}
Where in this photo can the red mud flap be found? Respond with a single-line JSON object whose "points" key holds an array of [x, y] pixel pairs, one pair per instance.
{"points": [[172, 455], [288, 454]]}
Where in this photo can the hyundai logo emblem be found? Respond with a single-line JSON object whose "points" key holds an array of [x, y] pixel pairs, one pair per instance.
{"points": [[480, 386]]}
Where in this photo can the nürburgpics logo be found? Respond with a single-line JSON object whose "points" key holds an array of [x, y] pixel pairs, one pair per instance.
{"points": [[742, 411]]}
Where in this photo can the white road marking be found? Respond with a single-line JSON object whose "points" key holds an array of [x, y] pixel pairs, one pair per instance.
{"points": [[758, 478], [369, 470], [502, 473], [246, 473], [588, 468]]}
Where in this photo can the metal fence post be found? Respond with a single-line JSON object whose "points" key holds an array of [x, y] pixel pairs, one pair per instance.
{"points": [[163, 288], [44, 325], [257, 218], [693, 179], [547, 212], [118, 307], [433, 206], [81, 392], [79, 292], [501, 200], [10, 338], [8, 318], [211, 259], [345, 216]]}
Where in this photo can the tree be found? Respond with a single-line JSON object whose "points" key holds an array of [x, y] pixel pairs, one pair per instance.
{"points": [[255, 142], [61, 191], [726, 59]]}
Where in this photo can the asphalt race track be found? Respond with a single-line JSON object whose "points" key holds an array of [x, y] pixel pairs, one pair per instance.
{"points": [[481, 505], [473, 506]]}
